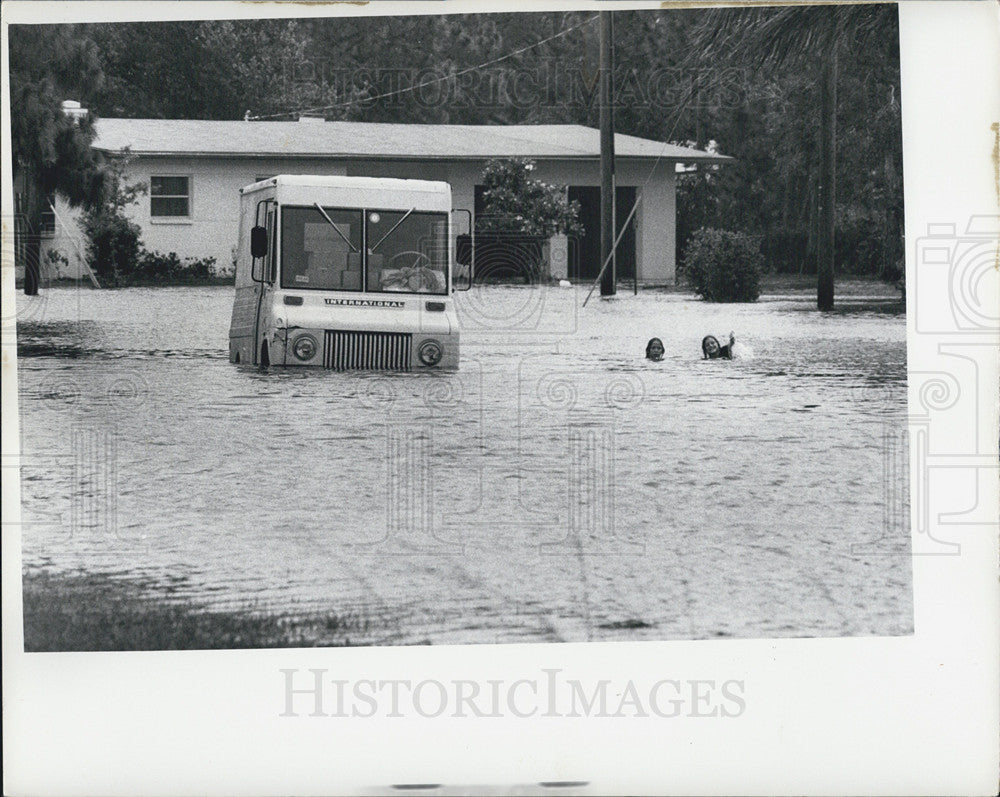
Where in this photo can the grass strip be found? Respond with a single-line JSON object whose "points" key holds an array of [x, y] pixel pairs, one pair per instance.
{"points": [[99, 612]]}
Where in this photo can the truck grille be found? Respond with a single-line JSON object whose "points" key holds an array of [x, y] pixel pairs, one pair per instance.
{"points": [[373, 351]]}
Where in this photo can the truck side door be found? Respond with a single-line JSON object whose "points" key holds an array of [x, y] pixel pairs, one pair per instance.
{"points": [[263, 323]]}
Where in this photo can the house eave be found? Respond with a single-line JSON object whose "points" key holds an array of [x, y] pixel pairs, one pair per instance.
{"points": [[714, 159]]}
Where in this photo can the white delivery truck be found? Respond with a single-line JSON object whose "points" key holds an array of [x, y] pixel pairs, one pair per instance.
{"points": [[345, 273]]}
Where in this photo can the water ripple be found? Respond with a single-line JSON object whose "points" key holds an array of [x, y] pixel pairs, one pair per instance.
{"points": [[558, 486]]}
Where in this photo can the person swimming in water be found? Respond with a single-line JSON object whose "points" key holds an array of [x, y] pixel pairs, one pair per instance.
{"points": [[654, 349], [711, 350]]}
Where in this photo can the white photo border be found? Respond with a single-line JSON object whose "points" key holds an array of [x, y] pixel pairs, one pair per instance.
{"points": [[909, 715]]}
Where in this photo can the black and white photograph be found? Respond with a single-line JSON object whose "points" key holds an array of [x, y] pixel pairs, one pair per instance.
{"points": [[503, 331]]}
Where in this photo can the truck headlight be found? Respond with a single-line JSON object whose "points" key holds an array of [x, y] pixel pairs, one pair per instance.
{"points": [[430, 352], [304, 347]]}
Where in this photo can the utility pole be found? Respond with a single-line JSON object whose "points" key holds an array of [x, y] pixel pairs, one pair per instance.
{"points": [[609, 281], [828, 184]]}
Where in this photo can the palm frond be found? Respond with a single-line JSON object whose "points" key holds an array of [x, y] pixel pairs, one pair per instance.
{"points": [[775, 37]]}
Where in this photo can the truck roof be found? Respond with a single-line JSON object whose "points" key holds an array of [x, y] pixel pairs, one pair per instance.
{"points": [[343, 181]]}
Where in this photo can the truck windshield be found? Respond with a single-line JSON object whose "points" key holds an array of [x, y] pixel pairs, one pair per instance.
{"points": [[407, 251], [321, 248], [400, 251]]}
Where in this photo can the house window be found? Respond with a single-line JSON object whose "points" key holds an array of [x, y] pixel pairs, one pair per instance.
{"points": [[48, 218], [170, 196]]}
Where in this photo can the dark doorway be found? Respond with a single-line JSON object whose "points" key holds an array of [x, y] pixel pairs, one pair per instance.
{"points": [[479, 202], [588, 262]]}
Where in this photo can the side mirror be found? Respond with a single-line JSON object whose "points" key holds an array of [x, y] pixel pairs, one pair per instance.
{"points": [[258, 242]]}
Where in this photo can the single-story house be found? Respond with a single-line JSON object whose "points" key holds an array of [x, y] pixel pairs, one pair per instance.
{"points": [[194, 170]]}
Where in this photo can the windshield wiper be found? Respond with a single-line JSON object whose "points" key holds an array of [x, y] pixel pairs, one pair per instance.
{"points": [[330, 222], [392, 230]]}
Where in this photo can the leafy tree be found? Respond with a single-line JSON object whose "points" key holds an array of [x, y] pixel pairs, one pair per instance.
{"points": [[517, 202], [520, 212], [51, 151], [199, 70], [253, 64], [113, 240]]}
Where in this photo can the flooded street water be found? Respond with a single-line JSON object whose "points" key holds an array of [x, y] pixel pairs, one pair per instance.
{"points": [[557, 487]]}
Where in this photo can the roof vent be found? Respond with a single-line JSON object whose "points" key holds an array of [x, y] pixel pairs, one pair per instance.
{"points": [[311, 118], [73, 110]]}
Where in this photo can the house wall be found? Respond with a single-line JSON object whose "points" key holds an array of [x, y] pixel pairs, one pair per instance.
{"points": [[66, 243], [656, 220], [211, 229]]}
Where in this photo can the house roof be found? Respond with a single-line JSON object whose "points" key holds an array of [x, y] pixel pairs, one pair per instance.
{"points": [[316, 138]]}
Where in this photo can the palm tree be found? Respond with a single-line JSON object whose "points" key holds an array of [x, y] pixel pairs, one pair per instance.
{"points": [[812, 39]]}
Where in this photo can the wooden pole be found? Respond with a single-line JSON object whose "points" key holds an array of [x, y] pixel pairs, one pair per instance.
{"points": [[609, 282], [828, 185], [607, 262]]}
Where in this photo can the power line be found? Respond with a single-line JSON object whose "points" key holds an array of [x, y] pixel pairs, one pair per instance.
{"points": [[426, 83]]}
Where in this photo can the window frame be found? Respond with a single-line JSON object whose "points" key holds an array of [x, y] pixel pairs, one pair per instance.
{"points": [[172, 219], [45, 229], [364, 211], [280, 225], [447, 240]]}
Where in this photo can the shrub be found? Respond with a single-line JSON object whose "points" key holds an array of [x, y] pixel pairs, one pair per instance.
{"points": [[723, 266], [56, 261], [113, 243], [156, 267]]}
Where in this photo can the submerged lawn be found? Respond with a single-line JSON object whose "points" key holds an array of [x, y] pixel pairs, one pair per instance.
{"points": [[92, 612]]}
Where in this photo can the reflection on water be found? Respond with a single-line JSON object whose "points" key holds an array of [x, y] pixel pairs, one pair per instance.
{"points": [[557, 487]]}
